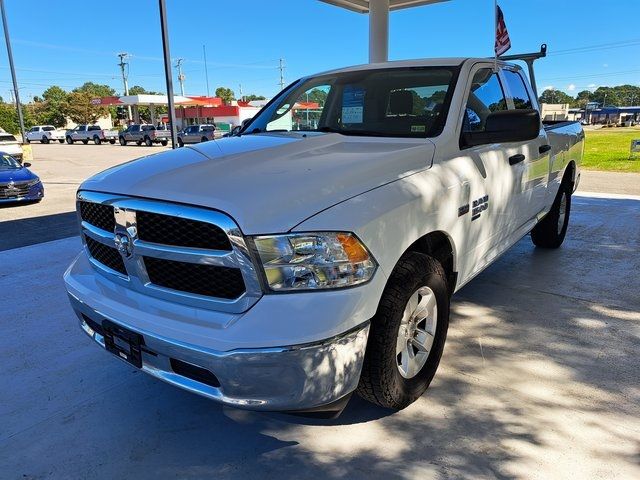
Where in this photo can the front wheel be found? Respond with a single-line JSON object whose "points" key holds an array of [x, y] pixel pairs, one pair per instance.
{"points": [[164, 143], [148, 142], [112, 141], [97, 140], [26, 140], [85, 141], [139, 142], [69, 140], [407, 333], [44, 140], [123, 142], [180, 142], [550, 232]]}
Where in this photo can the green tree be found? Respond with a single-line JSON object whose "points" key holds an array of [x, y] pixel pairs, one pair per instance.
{"points": [[50, 109], [555, 96], [226, 94], [249, 98], [79, 107]]}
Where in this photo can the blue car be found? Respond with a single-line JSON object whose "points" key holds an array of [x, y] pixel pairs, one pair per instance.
{"points": [[17, 182]]}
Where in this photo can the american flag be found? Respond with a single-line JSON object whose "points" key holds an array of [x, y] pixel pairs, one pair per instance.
{"points": [[503, 43]]}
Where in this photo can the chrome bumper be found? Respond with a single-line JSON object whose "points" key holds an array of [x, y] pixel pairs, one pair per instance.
{"points": [[291, 378]]}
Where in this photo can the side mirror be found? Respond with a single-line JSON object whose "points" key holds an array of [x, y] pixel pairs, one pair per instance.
{"points": [[506, 126], [26, 164]]}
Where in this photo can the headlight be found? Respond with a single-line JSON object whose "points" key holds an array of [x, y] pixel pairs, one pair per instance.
{"points": [[313, 261], [33, 182]]}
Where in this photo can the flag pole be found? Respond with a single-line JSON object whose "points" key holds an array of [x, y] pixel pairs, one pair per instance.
{"points": [[495, 32]]}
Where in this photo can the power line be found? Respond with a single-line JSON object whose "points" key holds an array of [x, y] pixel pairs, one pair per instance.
{"points": [[596, 47]]}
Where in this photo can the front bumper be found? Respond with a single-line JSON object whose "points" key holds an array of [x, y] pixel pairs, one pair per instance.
{"points": [[290, 378]]}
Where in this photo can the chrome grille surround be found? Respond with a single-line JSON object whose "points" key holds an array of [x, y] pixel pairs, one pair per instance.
{"points": [[125, 209]]}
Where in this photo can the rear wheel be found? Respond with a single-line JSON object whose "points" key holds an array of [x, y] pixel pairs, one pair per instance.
{"points": [[97, 140], [551, 231], [44, 139], [148, 142], [204, 139], [164, 143], [123, 142], [407, 333], [69, 140]]}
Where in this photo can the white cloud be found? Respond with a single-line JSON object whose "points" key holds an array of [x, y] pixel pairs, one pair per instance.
{"points": [[592, 85], [571, 87], [605, 65], [548, 87]]}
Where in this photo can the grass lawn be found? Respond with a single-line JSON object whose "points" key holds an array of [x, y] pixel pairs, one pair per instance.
{"points": [[608, 149]]}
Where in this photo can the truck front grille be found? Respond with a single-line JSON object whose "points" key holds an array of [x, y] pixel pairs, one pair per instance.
{"points": [[221, 282], [106, 255], [181, 232], [178, 253], [98, 215]]}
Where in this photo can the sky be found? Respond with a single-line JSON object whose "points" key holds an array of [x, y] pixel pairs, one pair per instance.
{"points": [[589, 43]]}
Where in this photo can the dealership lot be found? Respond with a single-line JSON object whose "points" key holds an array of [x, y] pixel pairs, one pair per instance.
{"points": [[539, 377]]}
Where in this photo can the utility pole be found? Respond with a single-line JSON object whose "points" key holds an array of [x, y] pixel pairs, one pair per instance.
{"points": [[181, 76], [281, 67], [604, 103], [13, 70], [206, 70], [241, 96], [125, 76], [167, 72]]}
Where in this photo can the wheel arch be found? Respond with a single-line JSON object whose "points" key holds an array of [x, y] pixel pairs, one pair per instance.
{"points": [[570, 172], [440, 246]]}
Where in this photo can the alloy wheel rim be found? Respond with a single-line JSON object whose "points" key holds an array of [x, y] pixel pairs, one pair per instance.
{"points": [[417, 332]]}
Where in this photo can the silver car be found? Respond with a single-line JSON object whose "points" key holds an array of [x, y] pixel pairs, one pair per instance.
{"points": [[197, 134]]}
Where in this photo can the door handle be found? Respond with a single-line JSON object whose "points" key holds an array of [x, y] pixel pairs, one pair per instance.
{"points": [[544, 148], [516, 159]]}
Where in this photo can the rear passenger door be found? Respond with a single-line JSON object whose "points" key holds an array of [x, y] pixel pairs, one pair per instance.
{"points": [[537, 152]]}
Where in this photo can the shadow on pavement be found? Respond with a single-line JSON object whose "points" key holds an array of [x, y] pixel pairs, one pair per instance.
{"points": [[30, 231]]}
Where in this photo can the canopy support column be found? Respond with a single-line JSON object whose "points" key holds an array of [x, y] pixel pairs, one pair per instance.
{"points": [[378, 31]]}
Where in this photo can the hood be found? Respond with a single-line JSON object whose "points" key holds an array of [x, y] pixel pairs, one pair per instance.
{"points": [[268, 182], [17, 175]]}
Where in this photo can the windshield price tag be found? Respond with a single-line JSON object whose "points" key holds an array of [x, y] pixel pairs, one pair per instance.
{"points": [[352, 104]]}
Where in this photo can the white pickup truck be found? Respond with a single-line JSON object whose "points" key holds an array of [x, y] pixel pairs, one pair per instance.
{"points": [[95, 133], [285, 269], [44, 134]]}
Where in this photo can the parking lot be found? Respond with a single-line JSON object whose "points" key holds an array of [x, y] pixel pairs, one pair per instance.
{"points": [[539, 379]]}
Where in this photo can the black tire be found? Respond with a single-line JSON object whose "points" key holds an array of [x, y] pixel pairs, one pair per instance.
{"points": [[97, 140], [139, 142], [381, 382], [552, 229], [204, 139], [26, 140], [122, 141], [44, 140], [69, 140], [85, 141], [180, 142], [61, 141], [148, 142], [112, 141], [164, 143]]}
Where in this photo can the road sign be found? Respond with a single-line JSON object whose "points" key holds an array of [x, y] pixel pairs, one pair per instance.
{"points": [[635, 149]]}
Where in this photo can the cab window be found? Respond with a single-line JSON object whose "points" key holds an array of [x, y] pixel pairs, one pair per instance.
{"points": [[517, 89], [486, 96]]}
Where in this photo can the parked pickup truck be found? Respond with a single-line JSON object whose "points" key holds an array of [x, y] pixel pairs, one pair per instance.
{"points": [[148, 134], [285, 269], [197, 134], [44, 134], [84, 133]]}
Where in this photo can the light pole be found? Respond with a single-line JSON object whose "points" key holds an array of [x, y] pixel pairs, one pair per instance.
{"points": [[13, 70], [125, 81], [167, 72]]}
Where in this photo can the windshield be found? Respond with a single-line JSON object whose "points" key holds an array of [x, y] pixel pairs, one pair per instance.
{"points": [[7, 138], [396, 102], [7, 162]]}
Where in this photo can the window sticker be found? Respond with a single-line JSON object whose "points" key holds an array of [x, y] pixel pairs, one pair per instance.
{"points": [[418, 128], [352, 104]]}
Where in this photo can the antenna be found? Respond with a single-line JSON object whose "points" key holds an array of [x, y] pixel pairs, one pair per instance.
{"points": [[125, 76], [281, 67]]}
